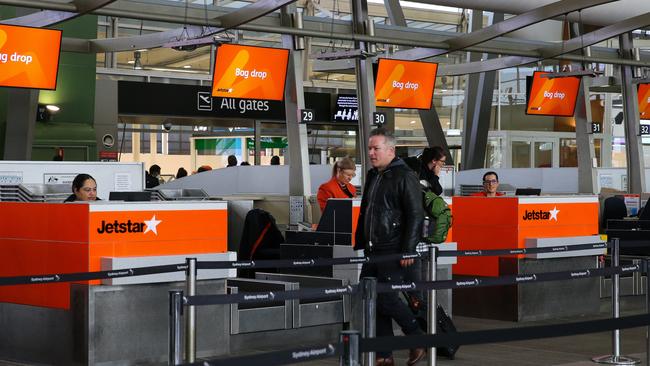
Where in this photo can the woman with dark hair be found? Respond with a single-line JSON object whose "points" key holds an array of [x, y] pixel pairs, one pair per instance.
{"points": [[339, 185], [181, 173], [84, 188]]}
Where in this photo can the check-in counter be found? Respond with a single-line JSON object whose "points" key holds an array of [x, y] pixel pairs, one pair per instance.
{"points": [[506, 222], [51, 238], [525, 222]]}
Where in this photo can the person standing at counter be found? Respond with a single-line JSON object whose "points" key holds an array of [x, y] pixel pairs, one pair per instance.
{"points": [[390, 222], [339, 186], [490, 186], [84, 188]]}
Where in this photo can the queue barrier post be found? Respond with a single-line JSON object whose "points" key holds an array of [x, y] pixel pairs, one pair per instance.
{"points": [[175, 320], [369, 293], [190, 324], [350, 341], [433, 303], [615, 358]]}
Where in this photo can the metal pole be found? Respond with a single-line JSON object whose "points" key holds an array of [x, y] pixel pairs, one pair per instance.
{"points": [[369, 315], [433, 303], [615, 358], [350, 340], [616, 306], [190, 324], [175, 313], [647, 309]]}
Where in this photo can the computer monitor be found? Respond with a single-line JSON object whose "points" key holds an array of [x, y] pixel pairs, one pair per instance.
{"points": [[132, 196], [528, 191]]}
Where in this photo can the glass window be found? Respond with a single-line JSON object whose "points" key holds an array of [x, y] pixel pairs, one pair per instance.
{"points": [[568, 153], [521, 154], [543, 154]]}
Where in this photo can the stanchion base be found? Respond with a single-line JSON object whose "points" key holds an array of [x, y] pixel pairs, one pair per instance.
{"points": [[616, 360]]}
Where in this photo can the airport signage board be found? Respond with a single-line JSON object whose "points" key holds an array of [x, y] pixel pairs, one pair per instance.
{"points": [[643, 93], [29, 57], [405, 84], [248, 72], [174, 100], [553, 96]]}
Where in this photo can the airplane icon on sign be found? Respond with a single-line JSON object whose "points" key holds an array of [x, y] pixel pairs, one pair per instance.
{"points": [[204, 101]]}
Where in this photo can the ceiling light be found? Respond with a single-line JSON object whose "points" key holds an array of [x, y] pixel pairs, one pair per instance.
{"points": [[453, 132], [52, 108], [412, 122], [130, 62], [187, 66]]}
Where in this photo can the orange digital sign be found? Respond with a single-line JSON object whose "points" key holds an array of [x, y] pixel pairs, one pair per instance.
{"points": [[29, 57], [250, 72], [553, 97], [644, 101], [405, 84]]}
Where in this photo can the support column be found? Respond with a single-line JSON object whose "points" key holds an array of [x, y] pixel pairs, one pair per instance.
{"points": [[21, 123], [633, 146], [584, 140], [607, 143], [258, 143], [365, 83], [478, 104], [294, 97]]}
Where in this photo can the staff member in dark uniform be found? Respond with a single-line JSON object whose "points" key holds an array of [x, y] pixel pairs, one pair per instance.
{"points": [[84, 188], [390, 222]]}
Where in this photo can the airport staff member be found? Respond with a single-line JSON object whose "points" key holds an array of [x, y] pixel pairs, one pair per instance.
{"points": [[428, 166], [490, 186], [84, 188], [339, 185], [390, 222]]}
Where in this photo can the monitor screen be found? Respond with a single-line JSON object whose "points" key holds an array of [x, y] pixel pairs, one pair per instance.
{"points": [[29, 57], [133, 196], [553, 97], [249, 72], [528, 191], [346, 108], [405, 84], [643, 92]]}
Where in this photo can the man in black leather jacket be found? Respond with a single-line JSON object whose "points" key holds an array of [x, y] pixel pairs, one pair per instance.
{"points": [[390, 222]]}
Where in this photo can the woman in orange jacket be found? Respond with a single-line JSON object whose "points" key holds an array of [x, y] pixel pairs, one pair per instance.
{"points": [[339, 186]]}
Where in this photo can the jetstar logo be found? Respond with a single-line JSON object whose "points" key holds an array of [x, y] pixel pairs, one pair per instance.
{"points": [[120, 227], [541, 214]]}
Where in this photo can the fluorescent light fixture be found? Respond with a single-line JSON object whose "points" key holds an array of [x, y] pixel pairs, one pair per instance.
{"points": [[187, 66], [453, 132], [130, 62], [412, 122], [52, 108]]}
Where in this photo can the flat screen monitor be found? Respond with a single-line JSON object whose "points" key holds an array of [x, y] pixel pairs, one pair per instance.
{"points": [[346, 108], [553, 96], [643, 93], [248, 72], [132, 196], [405, 84], [29, 57], [528, 191]]}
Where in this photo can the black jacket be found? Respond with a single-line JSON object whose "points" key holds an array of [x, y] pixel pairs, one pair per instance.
{"points": [[423, 172], [391, 212]]}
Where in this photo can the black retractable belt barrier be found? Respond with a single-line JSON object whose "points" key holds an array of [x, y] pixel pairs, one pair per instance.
{"points": [[247, 297], [284, 357], [503, 335], [497, 252]]}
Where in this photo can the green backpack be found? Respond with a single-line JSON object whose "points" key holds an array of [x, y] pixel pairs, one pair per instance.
{"points": [[439, 217]]}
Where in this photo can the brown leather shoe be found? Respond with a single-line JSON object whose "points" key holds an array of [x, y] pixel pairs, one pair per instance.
{"points": [[388, 361], [415, 356]]}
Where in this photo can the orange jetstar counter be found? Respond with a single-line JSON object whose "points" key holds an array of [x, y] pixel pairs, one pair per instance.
{"points": [[519, 222], [506, 222], [50, 238]]}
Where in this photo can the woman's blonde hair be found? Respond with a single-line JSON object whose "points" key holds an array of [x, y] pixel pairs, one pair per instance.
{"points": [[343, 164]]}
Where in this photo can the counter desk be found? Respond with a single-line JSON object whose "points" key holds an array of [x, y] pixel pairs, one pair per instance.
{"points": [[520, 222], [54, 238]]}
